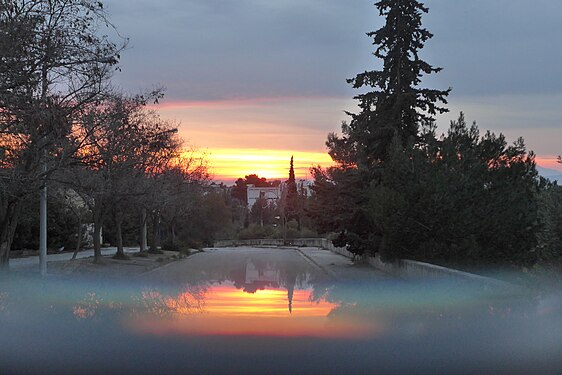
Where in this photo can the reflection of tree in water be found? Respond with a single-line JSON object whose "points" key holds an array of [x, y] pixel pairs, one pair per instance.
{"points": [[100, 303], [253, 276], [148, 301], [259, 271], [151, 301], [189, 300], [88, 307]]}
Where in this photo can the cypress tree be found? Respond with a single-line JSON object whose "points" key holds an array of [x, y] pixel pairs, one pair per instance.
{"points": [[292, 195]]}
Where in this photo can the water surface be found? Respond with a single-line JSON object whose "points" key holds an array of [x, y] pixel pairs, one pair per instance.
{"points": [[252, 311]]}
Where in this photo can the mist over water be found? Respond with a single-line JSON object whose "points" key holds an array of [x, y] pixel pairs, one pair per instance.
{"points": [[255, 315]]}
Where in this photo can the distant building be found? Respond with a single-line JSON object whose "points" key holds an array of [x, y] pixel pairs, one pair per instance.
{"points": [[304, 187], [267, 275], [273, 194], [270, 194]]}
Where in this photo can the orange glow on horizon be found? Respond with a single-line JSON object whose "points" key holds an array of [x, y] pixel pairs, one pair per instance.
{"points": [[231, 164], [244, 136], [550, 162]]}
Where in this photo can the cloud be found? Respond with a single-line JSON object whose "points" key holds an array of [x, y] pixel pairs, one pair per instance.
{"points": [[217, 49], [238, 49], [501, 58], [275, 123], [496, 47]]}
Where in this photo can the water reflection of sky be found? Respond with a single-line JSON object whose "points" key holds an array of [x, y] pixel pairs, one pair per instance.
{"points": [[228, 310], [255, 297], [254, 314]]}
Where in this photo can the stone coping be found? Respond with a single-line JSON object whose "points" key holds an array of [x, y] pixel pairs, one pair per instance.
{"points": [[403, 268]]}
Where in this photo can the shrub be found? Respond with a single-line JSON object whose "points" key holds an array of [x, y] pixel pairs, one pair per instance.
{"points": [[256, 231], [193, 244], [168, 245]]}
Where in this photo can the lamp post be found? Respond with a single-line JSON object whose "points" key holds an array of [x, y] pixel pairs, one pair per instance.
{"points": [[283, 219], [43, 223]]}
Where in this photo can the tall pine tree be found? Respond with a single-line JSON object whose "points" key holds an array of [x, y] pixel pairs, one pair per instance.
{"points": [[391, 115], [397, 106]]}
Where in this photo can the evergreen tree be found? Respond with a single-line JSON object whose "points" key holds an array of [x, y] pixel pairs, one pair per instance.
{"points": [[292, 192], [394, 111], [549, 246], [401, 191], [397, 106], [464, 199], [292, 200]]}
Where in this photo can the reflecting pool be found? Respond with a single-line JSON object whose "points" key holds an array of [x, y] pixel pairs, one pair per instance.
{"points": [[265, 311]]}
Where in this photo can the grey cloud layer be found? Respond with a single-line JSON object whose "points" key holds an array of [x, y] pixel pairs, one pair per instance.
{"points": [[212, 49]]}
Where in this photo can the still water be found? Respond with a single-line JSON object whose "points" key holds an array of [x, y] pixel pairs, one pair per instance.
{"points": [[271, 312]]}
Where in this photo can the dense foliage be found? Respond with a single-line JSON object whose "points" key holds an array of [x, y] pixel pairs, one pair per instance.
{"points": [[400, 190], [464, 198], [550, 216], [392, 111], [395, 106]]}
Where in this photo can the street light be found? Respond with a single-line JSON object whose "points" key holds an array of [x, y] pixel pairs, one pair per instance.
{"points": [[43, 222]]}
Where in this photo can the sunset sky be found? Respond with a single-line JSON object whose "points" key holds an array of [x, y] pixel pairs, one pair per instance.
{"points": [[253, 82]]}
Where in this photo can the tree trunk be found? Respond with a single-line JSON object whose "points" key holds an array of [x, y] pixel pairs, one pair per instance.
{"points": [[118, 226], [8, 226], [79, 242], [4, 255], [155, 233], [97, 234], [143, 231], [284, 229]]}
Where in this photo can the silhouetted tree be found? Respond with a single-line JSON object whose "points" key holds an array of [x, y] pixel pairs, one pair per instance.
{"points": [[394, 110], [464, 198], [397, 107], [53, 61], [549, 246], [122, 141], [174, 194], [293, 203]]}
